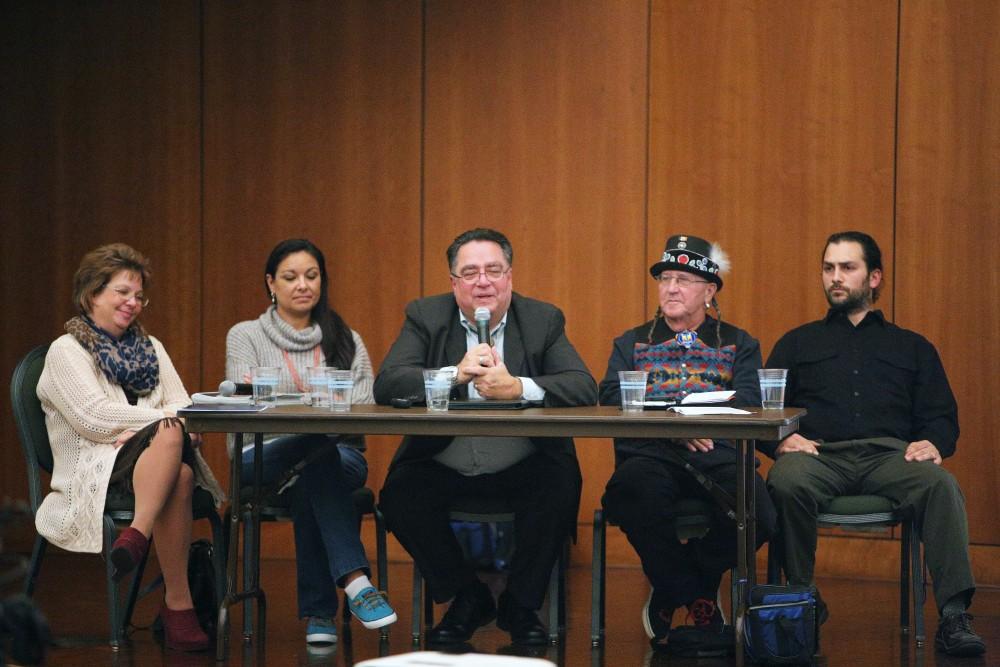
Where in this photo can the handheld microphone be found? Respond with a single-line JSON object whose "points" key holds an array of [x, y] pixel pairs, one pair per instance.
{"points": [[483, 324], [230, 388]]}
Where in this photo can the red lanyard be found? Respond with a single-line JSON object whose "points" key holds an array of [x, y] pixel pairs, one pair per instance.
{"points": [[295, 374]]}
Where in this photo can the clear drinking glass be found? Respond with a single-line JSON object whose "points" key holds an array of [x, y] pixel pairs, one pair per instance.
{"points": [[772, 387], [265, 384], [633, 390], [341, 388], [437, 387], [319, 387]]}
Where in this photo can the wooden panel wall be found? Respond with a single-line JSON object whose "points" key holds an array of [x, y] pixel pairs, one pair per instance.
{"points": [[948, 222], [535, 125], [100, 133], [312, 129], [771, 128], [205, 132]]}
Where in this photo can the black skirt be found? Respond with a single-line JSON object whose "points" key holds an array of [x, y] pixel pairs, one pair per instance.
{"points": [[128, 454]]}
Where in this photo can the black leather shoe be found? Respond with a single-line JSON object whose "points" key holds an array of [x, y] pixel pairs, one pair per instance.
{"points": [[955, 636], [472, 608], [522, 623]]}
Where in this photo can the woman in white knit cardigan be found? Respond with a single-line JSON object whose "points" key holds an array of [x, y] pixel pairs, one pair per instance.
{"points": [[110, 395], [297, 331]]}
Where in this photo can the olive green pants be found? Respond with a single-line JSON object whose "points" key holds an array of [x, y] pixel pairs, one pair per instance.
{"points": [[801, 484]]}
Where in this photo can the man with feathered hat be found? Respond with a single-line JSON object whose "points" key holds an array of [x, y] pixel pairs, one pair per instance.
{"points": [[684, 350]]}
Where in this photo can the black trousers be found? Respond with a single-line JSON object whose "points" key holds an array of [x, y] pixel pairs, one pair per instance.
{"points": [[640, 499], [542, 493]]}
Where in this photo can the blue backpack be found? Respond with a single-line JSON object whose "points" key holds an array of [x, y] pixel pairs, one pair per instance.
{"points": [[781, 626]]}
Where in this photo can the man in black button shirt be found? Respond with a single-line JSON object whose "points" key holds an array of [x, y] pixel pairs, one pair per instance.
{"points": [[881, 417]]}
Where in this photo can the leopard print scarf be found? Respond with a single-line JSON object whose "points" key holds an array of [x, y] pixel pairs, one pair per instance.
{"points": [[129, 361]]}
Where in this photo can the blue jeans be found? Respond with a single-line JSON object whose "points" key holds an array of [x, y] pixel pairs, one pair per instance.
{"points": [[327, 540]]}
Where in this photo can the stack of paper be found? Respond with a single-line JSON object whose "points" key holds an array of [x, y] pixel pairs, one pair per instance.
{"points": [[697, 398], [708, 410], [215, 398]]}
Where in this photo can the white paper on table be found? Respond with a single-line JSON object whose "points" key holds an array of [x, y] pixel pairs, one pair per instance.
{"points": [[709, 397], [214, 398], [708, 410], [698, 398], [218, 399]]}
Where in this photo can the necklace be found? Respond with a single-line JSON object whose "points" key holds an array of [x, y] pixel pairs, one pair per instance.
{"points": [[295, 374]]}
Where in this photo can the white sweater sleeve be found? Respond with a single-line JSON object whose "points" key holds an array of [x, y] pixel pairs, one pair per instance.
{"points": [[71, 385], [361, 370]]}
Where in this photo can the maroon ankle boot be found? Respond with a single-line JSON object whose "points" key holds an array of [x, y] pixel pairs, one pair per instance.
{"points": [[181, 631], [127, 552]]}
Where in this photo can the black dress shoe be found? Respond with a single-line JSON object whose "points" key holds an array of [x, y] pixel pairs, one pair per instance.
{"points": [[955, 636], [522, 623], [472, 608]]}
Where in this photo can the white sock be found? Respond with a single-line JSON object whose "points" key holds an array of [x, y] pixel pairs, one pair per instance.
{"points": [[361, 583]]}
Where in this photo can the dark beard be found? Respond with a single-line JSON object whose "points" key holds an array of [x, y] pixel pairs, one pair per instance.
{"points": [[856, 300]]}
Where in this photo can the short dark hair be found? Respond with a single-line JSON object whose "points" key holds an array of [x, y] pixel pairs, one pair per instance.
{"points": [[99, 266], [869, 249], [479, 234], [338, 342], [870, 252]]}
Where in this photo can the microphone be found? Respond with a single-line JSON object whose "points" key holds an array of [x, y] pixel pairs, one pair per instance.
{"points": [[230, 388], [483, 324]]}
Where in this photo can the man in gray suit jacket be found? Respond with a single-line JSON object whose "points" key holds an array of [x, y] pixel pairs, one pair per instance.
{"points": [[529, 358]]}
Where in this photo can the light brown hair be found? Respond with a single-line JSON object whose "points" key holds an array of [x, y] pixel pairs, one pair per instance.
{"points": [[98, 267]]}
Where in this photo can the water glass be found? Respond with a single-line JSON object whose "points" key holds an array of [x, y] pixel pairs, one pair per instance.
{"points": [[633, 390], [341, 388], [319, 387], [265, 384], [772, 387], [437, 387]]}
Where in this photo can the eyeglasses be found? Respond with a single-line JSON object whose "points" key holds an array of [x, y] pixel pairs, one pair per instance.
{"points": [[125, 294], [471, 275], [682, 281]]}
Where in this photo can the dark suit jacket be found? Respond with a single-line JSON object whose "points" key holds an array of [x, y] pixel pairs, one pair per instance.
{"points": [[535, 346]]}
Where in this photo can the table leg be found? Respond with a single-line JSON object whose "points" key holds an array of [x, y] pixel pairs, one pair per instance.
{"points": [[746, 539], [233, 547], [252, 566], [751, 470]]}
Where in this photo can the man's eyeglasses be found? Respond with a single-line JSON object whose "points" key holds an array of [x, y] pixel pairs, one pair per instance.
{"points": [[471, 275], [682, 281], [125, 294]]}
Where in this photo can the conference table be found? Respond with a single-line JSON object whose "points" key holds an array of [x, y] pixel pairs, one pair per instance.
{"points": [[580, 422]]}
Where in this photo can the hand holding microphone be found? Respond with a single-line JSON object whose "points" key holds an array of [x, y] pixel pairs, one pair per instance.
{"points": [[475, 363], [480, 357]]}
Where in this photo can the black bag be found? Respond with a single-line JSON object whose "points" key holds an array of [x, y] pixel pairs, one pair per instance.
{"points": [[781, 626], [201, 580]]}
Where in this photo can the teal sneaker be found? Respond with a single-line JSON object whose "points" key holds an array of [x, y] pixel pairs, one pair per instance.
{"points": [[320, 631], [371, 608]]}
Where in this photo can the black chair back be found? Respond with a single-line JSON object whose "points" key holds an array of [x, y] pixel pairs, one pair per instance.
{"points": [[30, 420]]}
